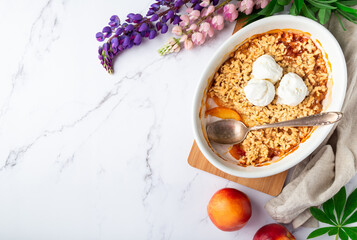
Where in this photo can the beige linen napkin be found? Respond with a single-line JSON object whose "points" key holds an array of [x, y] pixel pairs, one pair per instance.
{"points": [[319, 177]]}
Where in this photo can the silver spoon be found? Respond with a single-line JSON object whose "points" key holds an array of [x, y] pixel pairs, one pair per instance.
{"points": [[230, 131]]}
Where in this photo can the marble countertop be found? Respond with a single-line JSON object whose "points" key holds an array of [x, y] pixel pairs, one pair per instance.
{"points": [[87, 155]]}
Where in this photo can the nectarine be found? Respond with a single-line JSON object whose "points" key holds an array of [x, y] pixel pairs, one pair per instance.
{"points": [[229, 209], [224, 113], [273, 232]]}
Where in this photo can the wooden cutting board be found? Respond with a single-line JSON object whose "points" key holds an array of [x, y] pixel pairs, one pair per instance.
{"points": [[270, 185]]}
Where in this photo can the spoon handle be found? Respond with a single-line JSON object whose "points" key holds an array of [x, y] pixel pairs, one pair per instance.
{"points": [[313, 120]]}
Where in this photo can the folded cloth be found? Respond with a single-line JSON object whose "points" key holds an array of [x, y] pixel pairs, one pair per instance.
{"points": [[318, 178]]}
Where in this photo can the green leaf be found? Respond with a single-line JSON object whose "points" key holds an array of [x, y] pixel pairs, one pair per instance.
{"points": [[320, 215], [324, 15], [333, 231], [328, 208], [277, 8], [345, 8], [321, 5], [319, 232], [351, 219], [352, 234], [284, 2], [293, 10], [314, 9], [351, 205], [352, 16], [299, 4], [268, 8], [349, 3], [326, 1], [307, 12], [339, 201], [339, 20], [343, 235], [352, 228], [348, 16]]}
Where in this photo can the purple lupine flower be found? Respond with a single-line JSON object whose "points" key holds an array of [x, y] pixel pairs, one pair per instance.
{"points": [[150, 12], [155, 6], [99, 36], [215, 2], [106, 48], [176, 20], [164, 28], [154, 18], [107, 32], [119, 31], [137, 39], [137, 18], [197, 7], [178, 3], [164, 19], [129, 28], [114, 18], [158, 26], [115, 42], [136, 27], [170, 14], [143, 27], [113, 24], [130, 17], [152, 34], [100, 50], [114, 21], [126, 41]]}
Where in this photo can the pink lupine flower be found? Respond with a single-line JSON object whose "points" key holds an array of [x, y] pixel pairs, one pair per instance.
{"points": [[189, 10], [183, 38], [206, 29], [230, 12], [261, 3], [207, 11], [188, 44], [210, 32], [198, 38], [177, 30], [246, 6], [205, 3], [194, 15], [193, 27], [204, 12], [210, 10], [185, 20], [218, 22]]}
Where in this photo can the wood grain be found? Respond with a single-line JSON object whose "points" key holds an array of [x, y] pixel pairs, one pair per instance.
{"points": [[270, 185]]}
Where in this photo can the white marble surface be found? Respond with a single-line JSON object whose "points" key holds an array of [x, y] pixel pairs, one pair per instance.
{"points": [[86, 155]]}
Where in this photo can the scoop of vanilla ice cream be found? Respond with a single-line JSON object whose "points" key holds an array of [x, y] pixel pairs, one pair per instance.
{"points": [[259, 92], [265, 67], [292, 90]]}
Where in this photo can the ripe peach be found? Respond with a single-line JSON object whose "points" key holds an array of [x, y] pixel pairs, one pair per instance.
{"points": [[229, 209], [273, 232], [224, 113]]}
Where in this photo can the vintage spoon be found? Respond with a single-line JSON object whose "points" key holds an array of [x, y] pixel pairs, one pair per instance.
{"points": [[230, 131]]}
